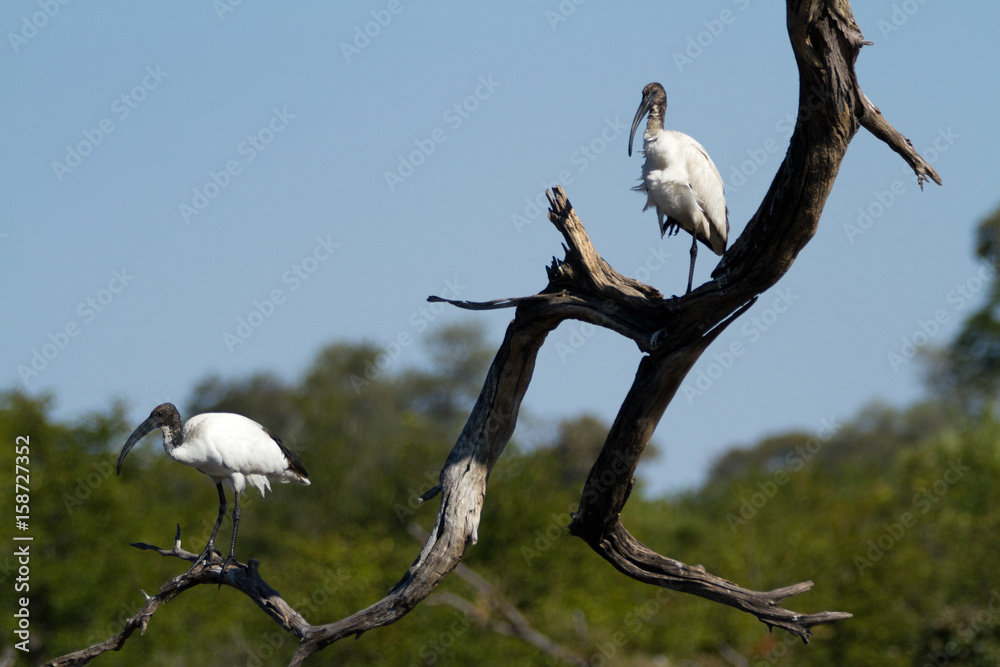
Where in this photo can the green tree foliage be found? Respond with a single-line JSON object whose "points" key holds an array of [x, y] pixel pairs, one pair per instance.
{"points": [[893, 515], [967, 371]]}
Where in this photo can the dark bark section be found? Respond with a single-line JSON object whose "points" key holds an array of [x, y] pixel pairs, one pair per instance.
{"points": [[673, 332]]}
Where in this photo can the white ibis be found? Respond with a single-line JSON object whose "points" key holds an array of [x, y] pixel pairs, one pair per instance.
{"points": [[680, 180], [226, 447]]}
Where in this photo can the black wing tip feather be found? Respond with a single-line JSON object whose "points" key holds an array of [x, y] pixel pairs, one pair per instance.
{"points": [[294, 462]]}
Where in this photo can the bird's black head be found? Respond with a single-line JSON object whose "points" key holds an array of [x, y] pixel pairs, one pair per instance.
{"points": [[163, 416], [654, 99]]}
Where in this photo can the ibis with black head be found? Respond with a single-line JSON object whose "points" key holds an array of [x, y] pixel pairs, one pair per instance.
{"points": [[680, 180], [228, 448]]}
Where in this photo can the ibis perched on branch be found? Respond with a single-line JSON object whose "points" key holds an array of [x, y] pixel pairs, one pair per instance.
{"points": [[228, 448], [680, 180]]}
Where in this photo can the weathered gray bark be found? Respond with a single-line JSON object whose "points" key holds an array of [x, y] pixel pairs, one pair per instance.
{"points": [[673, 333]]}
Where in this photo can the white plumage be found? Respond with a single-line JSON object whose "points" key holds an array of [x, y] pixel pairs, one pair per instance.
{"points": [[236, 450], [680, 180], [228, 448]]}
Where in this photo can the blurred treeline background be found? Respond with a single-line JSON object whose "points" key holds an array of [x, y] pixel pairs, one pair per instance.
{"points": [[894, 515]]}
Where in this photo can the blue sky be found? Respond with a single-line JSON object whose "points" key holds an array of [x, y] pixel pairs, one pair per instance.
{"points": [[225, 189]]}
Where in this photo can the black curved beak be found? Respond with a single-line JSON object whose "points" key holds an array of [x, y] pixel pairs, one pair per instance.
{"points": [[644, 107], [145, 427]]}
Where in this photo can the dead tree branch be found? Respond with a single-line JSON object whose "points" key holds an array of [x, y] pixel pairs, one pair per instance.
{"points": [[673, 332], [244, 578]]}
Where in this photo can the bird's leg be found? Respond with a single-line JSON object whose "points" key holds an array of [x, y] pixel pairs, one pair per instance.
{"points": [[210, 547], [694, 253], [232, 547]]}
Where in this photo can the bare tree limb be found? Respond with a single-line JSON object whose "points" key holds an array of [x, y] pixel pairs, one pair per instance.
{"points": [[873, 121], [244, 578]]}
